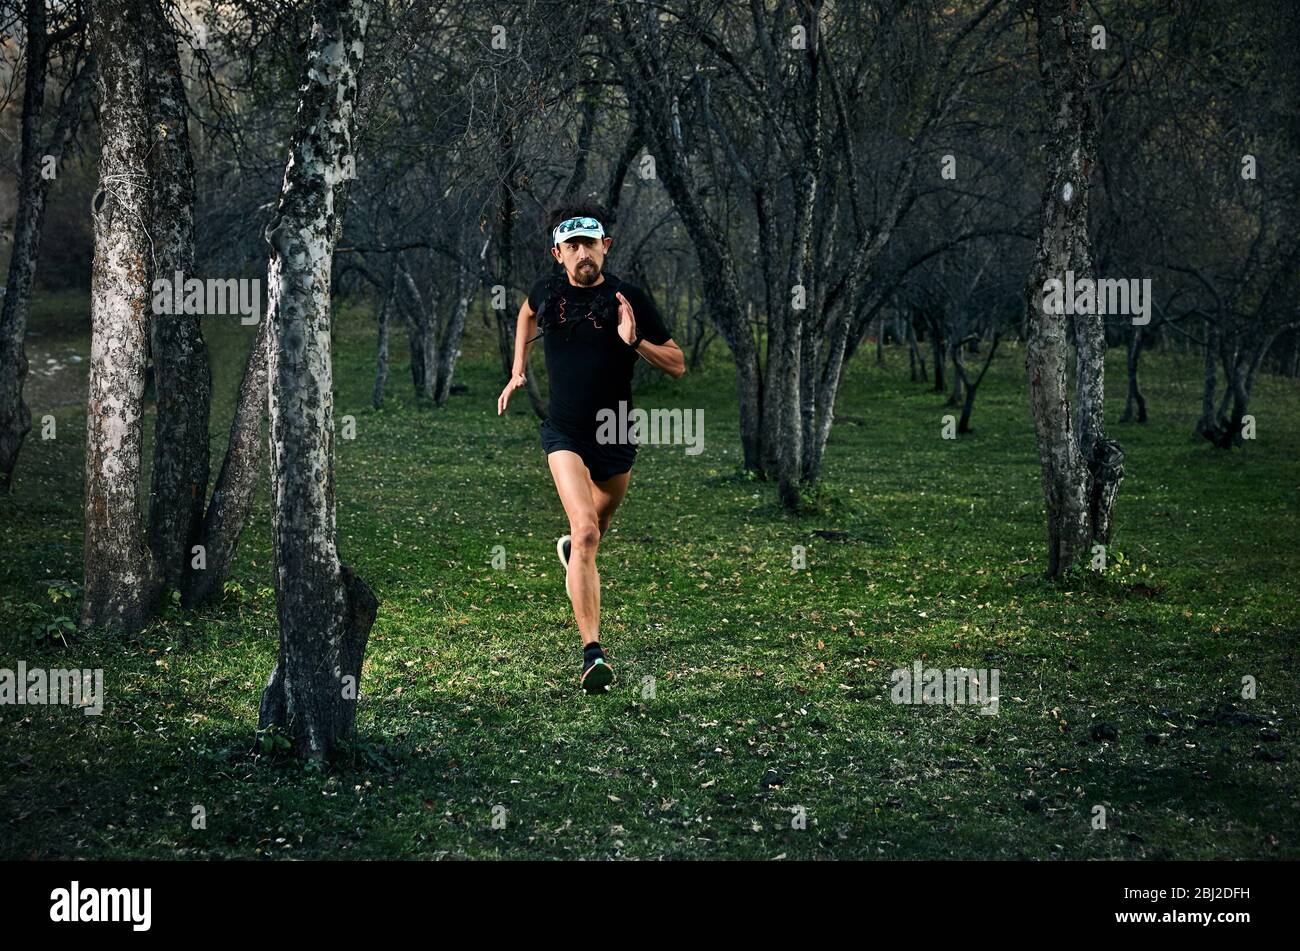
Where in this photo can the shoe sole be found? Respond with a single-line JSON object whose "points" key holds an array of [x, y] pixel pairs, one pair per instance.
{"points": [[559, 550], [598, 678]]}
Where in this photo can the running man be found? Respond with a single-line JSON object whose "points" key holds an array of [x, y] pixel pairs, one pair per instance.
{"points": [[593, 327]]}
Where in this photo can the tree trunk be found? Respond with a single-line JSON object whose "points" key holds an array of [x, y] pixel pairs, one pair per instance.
{"points": [[1103, 456], [955, 396], [1080, 476], [325, 609], [775, 304], [122, 584], [29, 216], [811, 355], [381, 356], [715, 258], [968, 405], [431, 358], [1211, 383], [182, 379], [232, 495], [415, 347], [1135, 397], [789, 393], [423, 336], [1240, 371], [916, 358], [449, 352], [936, 348]]}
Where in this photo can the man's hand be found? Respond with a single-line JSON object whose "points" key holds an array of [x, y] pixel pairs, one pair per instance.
{"points": [[626, 319], [516, 381]]}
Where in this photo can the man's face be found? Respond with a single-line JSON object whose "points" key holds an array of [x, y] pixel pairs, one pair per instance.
{"points": [[583, 258]]}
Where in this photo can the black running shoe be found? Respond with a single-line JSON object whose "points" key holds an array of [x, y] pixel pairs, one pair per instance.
{"points": [[597, 675]]}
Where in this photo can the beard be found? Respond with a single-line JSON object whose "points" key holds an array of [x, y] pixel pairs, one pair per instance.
{"points": [[586, 273]]}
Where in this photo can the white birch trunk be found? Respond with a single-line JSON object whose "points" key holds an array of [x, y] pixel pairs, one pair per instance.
{"points": [[325, 610], [1081, 472], [122, 587]]}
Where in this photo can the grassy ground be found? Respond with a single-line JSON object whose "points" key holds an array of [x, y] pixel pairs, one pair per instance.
{"points": [[770, 689]]}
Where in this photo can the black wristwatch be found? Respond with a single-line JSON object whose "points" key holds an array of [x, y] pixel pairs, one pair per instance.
{"points": [[636, 341]]}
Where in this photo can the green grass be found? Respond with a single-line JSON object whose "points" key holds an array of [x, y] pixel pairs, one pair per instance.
{"points": [[470, 698]]}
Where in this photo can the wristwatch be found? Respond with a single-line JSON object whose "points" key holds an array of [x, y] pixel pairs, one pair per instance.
{"points": [[636, 341]]}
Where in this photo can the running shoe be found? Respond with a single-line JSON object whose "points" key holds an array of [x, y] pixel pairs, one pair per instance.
{"points": [[562, 548], [597, 675]]}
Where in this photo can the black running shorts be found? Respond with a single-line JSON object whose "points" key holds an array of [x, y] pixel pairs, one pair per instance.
{"points": [[602, 461]]}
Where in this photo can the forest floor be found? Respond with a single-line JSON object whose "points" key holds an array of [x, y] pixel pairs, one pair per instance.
{"points": [[753, 715]]}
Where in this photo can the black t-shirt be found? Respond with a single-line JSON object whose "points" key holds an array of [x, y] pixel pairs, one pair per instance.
{"points": [[588, 364]]}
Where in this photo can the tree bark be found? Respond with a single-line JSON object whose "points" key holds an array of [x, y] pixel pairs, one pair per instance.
{"points": [[381, 355], [182, 378], [955, 395], [971, 387], [505, 320], [232, 495], [936, 347], [325, 609], [422, 333], [449, 351], [1240, 369], [29, 216], [1135, 397], [916, 358], [790, 393], [1081, 474], [1210, 380], [122, 586]]}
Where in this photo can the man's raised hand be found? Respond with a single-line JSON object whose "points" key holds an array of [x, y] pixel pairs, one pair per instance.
{"points": [[626, 319]]}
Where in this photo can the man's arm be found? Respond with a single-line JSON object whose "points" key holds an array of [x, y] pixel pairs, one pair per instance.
{"points": [[667, 356], [523, 332], [525, 328]]}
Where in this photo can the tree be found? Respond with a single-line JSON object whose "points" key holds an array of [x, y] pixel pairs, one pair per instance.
{"points": [[1081, 471], [232, 495], [799, 125], [122, 583], [40, 160], [182, 379], [324, 607]]}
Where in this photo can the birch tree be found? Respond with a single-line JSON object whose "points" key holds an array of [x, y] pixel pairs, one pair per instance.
{"points": [[325, 609], [1081, 468], [122, 584]]}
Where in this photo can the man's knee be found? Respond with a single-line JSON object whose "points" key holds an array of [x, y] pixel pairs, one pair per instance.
{"points": [[585, 536]]}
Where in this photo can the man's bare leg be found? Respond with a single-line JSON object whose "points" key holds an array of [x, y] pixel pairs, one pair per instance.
{"points": [[609, 495], [574, 487], [590, 507]]}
